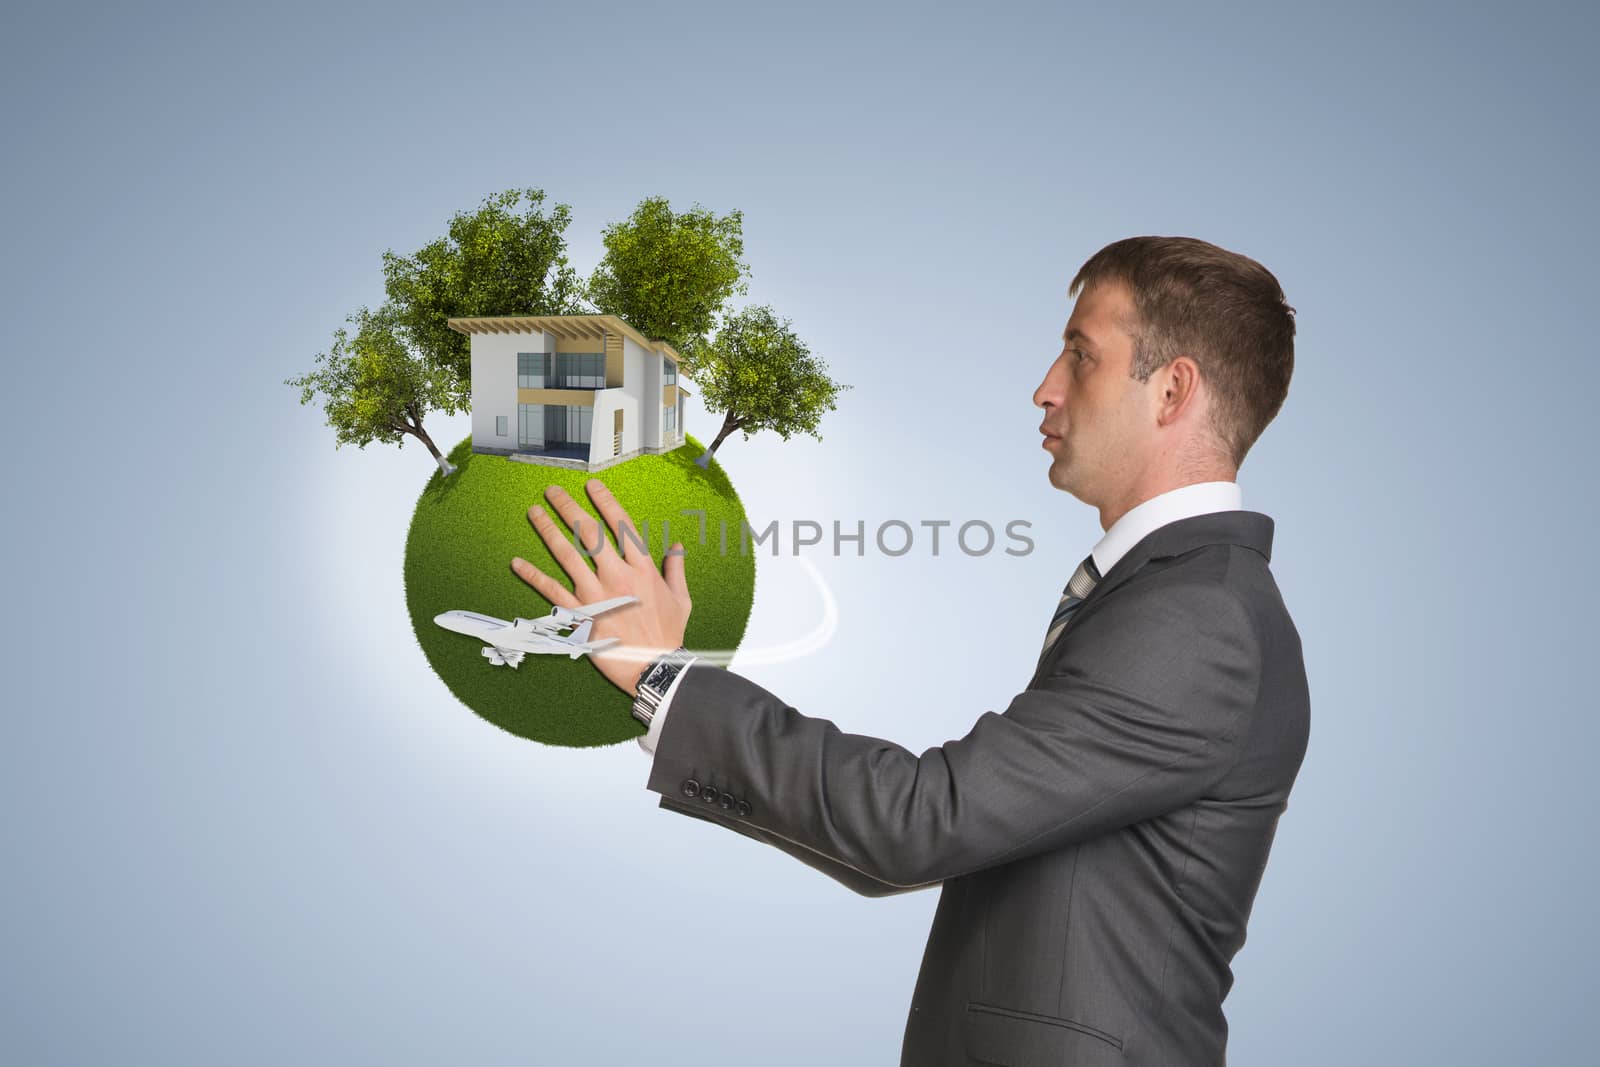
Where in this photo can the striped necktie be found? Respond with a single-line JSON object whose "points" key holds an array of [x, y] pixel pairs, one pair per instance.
{"points": [[1083, 580]]}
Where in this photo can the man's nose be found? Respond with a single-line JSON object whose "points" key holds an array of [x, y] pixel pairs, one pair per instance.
{"points": [[1052, 391]]}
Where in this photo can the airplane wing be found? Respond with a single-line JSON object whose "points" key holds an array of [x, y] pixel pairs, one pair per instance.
{"points": [[589, 611]]}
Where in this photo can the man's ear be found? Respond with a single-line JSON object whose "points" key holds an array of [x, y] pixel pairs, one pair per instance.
{"points": [[1180, 388]]}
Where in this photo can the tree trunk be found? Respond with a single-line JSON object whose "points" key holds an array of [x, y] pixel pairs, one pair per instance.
{"points": [[446, 470], [729, 424]]}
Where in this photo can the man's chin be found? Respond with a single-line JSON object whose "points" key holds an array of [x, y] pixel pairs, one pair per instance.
{"points": [[1065, 478]]}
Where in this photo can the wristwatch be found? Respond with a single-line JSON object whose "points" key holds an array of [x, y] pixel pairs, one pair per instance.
{"points": [[656, 680]]}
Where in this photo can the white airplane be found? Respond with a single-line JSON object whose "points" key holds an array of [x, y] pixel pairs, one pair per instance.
{"points": [[510, 641]]}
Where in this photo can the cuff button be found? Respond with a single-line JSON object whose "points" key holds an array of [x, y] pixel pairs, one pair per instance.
{"points": [[691, 787]]}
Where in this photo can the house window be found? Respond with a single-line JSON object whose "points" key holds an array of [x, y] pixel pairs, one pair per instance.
{"points": [[500, 425], [532, 369], [580, 370], [669, 372], [669, 419]]}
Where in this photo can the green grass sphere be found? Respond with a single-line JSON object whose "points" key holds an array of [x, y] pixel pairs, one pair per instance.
{"points": [[467, 528]]}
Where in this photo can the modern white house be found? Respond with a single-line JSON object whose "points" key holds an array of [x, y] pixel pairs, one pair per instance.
{"points": [[578, 391]]}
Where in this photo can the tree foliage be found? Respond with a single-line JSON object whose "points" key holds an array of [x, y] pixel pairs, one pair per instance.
{"points": [[760, 374], [668, 275], [376, 388], [494, 261]]}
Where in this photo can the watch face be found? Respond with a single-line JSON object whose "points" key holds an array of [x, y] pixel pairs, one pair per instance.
{"points": [[661, 674]]}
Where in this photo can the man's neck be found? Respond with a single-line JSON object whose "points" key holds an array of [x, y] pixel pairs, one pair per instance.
{"points": [[1110, 513]]}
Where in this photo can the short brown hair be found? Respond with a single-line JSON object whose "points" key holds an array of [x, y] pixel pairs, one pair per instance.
{"points": [[1224, 310]]}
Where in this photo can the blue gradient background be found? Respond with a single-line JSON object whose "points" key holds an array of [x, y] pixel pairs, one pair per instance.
{"points": [[242, 822]]}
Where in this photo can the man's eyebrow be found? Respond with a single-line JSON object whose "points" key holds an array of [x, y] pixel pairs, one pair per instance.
{"points": [[1073, 331]]}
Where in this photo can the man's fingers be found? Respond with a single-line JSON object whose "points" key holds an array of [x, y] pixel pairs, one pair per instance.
{"points": [[543, 584], [629, 540], [672, 570], [584, 582], [587, 528]]}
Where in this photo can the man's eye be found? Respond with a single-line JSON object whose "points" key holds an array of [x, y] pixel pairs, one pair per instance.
{"points": [[1079, 353]]}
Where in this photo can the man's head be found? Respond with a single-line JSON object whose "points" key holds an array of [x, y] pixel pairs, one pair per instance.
{"points": [[1177, 355]]}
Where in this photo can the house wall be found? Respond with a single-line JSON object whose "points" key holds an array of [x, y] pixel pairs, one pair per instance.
{"points": [[636, 367], [649, 395], [606, 403], [494, 384]]}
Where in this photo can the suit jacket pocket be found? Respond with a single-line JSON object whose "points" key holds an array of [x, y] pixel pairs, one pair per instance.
{"points": [[1012, 1038]]}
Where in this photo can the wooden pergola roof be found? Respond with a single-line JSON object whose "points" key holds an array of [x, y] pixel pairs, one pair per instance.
{"points": [[576, 327]]}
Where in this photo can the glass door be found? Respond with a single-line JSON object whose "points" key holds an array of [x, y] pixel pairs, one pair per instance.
{"points": [[530, 425]]}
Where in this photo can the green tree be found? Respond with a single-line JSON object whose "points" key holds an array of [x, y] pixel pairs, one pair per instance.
{"points": [[376, 388], [668, 275], [762, 377], [494, 261]]}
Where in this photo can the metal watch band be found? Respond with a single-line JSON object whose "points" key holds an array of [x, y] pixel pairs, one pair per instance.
{"points": [[655, 682]]}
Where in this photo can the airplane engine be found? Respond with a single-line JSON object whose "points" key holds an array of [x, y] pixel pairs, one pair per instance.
{"points": [[503, 657]]}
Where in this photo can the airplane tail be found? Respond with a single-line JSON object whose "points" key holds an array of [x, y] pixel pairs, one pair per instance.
{"points": [[596, 646], [584, 646]]}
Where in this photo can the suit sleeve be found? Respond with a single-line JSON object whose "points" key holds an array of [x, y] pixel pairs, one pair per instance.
{"points": [[1139, 715], [848, 877]]}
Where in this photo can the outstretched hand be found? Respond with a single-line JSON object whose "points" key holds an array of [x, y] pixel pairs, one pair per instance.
{"points": [[646, 629]]}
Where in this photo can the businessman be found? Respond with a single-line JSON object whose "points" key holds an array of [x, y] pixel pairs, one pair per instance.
{"points": [[1100, 842]]}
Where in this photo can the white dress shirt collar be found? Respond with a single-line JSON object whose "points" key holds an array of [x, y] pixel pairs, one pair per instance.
{"points": [[1198, 498]]}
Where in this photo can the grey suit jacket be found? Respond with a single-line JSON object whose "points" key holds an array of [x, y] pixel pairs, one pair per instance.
{"points": [[1099, 843]]}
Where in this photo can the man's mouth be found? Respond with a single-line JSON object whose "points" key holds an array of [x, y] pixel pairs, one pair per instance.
{"points": [[1050, 439]]}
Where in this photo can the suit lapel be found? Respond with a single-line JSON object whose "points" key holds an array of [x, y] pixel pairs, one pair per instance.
{"points": [[1252, 529]]}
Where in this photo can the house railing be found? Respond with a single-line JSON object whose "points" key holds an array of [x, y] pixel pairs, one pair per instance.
{"points": [[557, 383]]}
